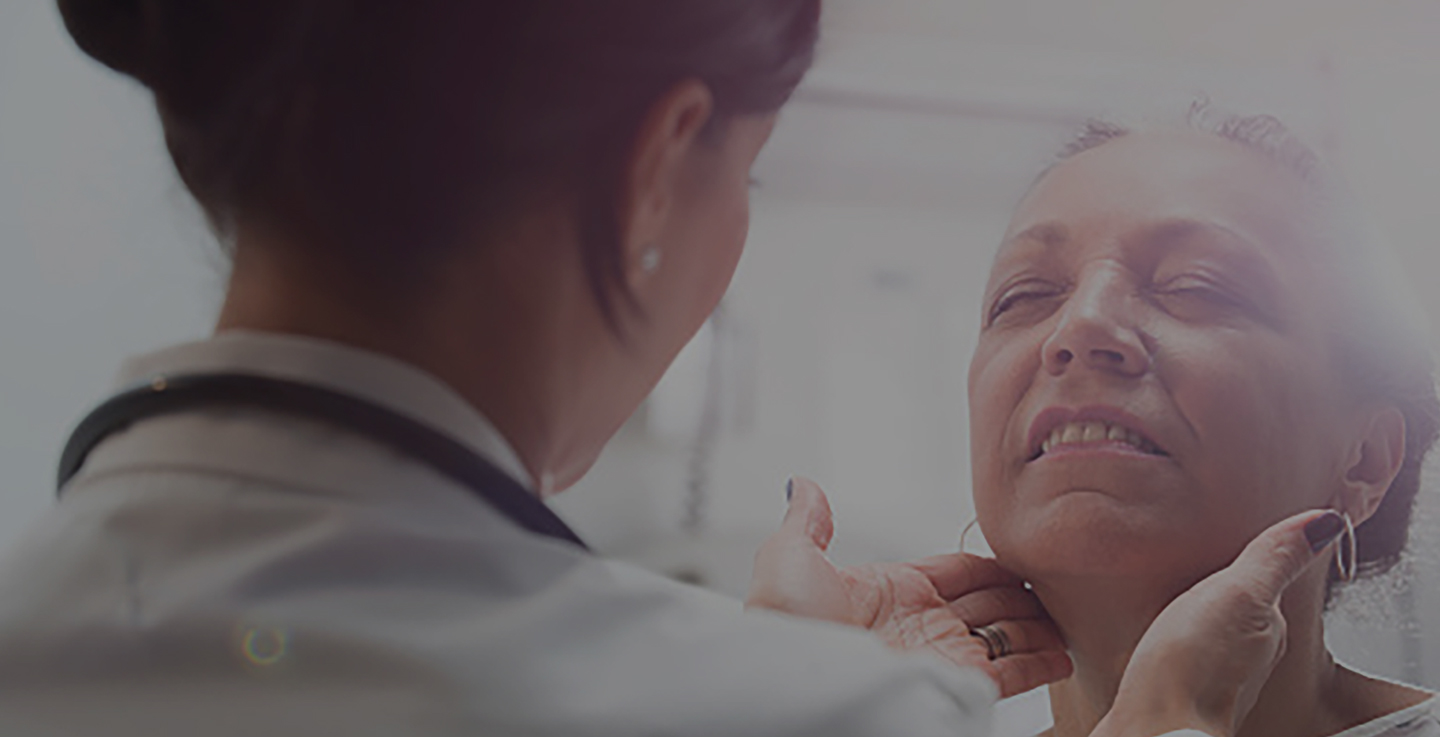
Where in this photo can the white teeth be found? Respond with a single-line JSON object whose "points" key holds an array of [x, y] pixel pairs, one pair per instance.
{"points": [[1094, 432]]}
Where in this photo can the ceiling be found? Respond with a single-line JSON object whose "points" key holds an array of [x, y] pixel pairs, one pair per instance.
{"points": [[1240, 31]]}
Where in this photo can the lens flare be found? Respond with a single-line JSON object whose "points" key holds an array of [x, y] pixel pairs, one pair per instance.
{"points": [[265, 646]]}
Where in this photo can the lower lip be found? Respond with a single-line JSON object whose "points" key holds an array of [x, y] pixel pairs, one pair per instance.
{"points": [[1098, 450]]}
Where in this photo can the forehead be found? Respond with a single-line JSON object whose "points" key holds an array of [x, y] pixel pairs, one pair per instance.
{"points": [[1156, 176]]}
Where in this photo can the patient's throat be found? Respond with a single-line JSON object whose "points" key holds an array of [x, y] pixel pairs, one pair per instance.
{"points": [[1074, 715]]}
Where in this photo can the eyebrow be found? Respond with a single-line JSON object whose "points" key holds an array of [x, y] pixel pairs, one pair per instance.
{"points": [[1049, 234], [1247, 262], [1164, 236], [1171, 234]]}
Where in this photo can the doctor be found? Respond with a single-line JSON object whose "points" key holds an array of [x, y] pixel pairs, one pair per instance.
{"points": [[468, 238]]}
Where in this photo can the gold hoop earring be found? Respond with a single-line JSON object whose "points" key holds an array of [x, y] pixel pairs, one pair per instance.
{"points": [[1346, 560], [966, 532]]}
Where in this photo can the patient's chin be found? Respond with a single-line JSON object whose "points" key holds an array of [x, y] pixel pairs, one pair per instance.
{"points": [[1092, 538]]}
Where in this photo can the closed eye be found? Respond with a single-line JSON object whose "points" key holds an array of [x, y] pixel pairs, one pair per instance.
{"points": [[1190, 297], [1019, 295], [1197, 286]]}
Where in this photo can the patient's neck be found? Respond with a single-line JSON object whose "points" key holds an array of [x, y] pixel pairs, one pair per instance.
{"points": [[1103, 621]]}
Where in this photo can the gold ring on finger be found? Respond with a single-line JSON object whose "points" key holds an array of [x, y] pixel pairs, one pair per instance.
{"points": [[997, 643]]}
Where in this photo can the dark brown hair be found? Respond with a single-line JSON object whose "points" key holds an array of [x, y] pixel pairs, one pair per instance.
{"points": [[379, 130], [1380, 347]]}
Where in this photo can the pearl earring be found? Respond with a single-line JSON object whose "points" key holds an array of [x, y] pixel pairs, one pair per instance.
{"points": [[650, 260]]}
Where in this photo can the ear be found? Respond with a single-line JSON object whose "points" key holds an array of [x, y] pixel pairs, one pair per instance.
{"points": [[652, 175], [1374, 463]]}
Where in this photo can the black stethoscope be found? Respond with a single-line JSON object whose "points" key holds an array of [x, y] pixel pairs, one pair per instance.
{"points": [[171, 394]]}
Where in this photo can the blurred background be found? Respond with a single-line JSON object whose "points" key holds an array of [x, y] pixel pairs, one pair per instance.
{"points": [[842, 349]]}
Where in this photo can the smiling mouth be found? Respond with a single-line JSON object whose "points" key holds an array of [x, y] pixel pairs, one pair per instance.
{"points": [[1094, 434]]}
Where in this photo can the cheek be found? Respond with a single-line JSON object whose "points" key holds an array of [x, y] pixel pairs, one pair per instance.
{"points": [[722, 235], [999, 375], [703, 247], [1261, 413], [733, 228]]}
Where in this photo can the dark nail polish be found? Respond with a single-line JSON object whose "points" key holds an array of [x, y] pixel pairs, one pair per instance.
{"points": [[1322, 531], [789, 489]]}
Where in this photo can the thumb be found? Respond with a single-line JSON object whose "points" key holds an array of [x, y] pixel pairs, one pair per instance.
{"points": [[808, 517], [1272, 561]]}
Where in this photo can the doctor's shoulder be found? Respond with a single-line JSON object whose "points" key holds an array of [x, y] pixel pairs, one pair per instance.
{"points": [[337, 620], [581, 645], [697, 664]]}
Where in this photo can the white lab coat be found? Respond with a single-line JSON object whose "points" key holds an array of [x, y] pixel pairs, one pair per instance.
{"points": [[235, 572]]}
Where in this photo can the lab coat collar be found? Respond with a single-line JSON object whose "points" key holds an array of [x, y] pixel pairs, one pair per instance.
{"points": [[394, 384]]}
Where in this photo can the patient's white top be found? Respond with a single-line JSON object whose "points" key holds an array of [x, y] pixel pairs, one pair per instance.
{"points": [[1416, 721]]}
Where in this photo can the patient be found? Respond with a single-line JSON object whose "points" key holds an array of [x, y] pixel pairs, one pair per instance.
{"points": [[1185, 340]]}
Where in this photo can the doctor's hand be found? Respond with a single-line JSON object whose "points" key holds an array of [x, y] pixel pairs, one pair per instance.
{"points": [[930, 605], [1203, 661]]}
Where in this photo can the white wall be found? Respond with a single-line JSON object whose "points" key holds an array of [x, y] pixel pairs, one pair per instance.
{"points": [[101, 254]]}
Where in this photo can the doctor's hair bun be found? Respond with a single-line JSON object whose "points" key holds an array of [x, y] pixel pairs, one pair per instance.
{"points": [[111, 31], [378, 135], [189, 52]]}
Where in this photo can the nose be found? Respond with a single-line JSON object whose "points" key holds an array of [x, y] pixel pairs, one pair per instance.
{"points": [[1096, 331]]}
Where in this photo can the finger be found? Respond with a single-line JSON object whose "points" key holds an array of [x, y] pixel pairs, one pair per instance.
{"points": [[1017, 674], [957, 574], [1272, 561], [1030, 635], [808, 517], [987, 606]]}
